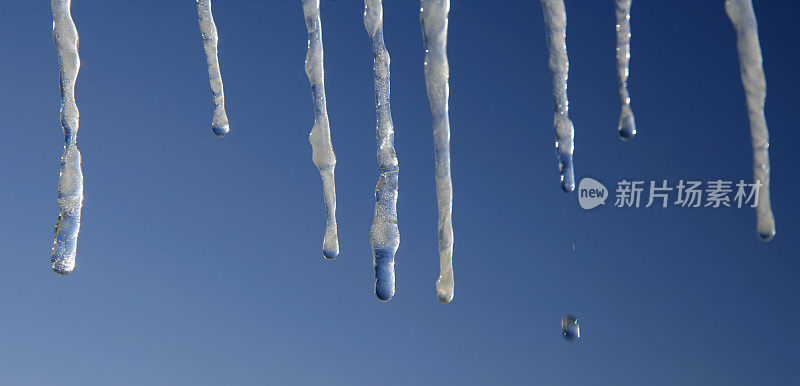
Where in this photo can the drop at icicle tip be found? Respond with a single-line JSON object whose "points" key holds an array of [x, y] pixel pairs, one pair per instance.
{"points": [[555, 20], [570, 329], [384, 234], [320, 136], [70, 180], [433, 17], [219, 123], [755, 87], [627, 124]]}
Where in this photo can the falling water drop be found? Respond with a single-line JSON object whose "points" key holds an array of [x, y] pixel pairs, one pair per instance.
{"points": [[627, 125], [433, 17], [570, 328], [70, 180], [219, 124], [384, 234], [555, 20], [320, 136], [755, 86]]}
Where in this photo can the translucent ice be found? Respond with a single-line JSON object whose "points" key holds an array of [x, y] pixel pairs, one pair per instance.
{"points": [[433, 16], [208, 29], [570, 329], [627, 125], [70, 180], [384, 234], [755, 86], [555, 20], [320, 136]]}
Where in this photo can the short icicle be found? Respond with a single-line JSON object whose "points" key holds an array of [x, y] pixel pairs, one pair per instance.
{"points": [[219, 124], [755, 87], [627, 124], [70, 180], [433, 17], [320, 136], [384, 234], [555, 20]]}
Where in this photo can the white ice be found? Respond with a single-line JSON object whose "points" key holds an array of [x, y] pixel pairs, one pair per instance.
{"points": [[70, 180], [755, 86], [433, 16], [219, 124], [320, 136]]}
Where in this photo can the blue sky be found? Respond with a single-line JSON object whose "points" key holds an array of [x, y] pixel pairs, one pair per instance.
{"points": [[199, 259]]}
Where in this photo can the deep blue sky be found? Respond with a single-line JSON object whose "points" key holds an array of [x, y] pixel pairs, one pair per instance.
{"points": [[199, 259]]}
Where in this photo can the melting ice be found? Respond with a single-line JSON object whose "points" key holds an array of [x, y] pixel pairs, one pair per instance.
{"points": [[384, 234], [70, 180], [433, 17], [320, 136]]}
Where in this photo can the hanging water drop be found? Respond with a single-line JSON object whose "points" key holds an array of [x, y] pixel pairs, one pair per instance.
{"points": [[320, 136], [433, 17], [219, 124], [555, 20], [570, 329], [384, 235], [70, 180], [627, 125], [755, 86]]}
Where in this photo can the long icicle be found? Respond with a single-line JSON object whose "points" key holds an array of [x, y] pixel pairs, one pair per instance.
{"points": [[755, 86], [433, 17], [70, 180], [384, 234], [555, 20], [627, 125], [320, 136], [219, 124]]}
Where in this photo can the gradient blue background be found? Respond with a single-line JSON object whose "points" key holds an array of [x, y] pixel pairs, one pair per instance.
{"points": [[199, 259]]}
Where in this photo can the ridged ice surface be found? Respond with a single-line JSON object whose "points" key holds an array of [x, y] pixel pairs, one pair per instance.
{"points": [[320, 136], [70, 180], [433, 16], [627, 125], [555, 20], [755, 86], [384, 234], [219, 124]]}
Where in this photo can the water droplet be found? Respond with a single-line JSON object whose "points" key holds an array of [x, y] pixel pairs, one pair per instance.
{"points": [[570, 328]]}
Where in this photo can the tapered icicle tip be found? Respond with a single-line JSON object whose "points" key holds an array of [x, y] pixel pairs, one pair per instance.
{"points": [[445, 289], [220, 131], [627, 124], [384, 278], [567, 175], [766, 228], [330, 254]]}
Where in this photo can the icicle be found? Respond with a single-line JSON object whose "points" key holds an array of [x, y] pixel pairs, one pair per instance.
{"points": [[384, 234], [70, 180], [320, 136], [433, 16], [627, 125], [755, 86], [555, 20], [208, 29]]}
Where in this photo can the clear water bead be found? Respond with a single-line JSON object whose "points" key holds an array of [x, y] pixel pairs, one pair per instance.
{"points": [[570, 328]]}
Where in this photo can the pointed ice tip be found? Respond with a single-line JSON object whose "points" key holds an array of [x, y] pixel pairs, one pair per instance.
{"points": [[766, 236], [220, 131], [445, 298], [384, 294], [627, 126], [330, 254], [61, 271]]}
